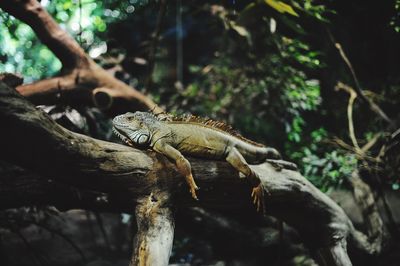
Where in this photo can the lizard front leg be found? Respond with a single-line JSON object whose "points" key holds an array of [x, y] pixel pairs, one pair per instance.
{"points": [[181, 163], [236, 159]]}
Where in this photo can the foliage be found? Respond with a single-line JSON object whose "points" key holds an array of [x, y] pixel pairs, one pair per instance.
{"points": [[86, 20], [248, 85], [395, 22], [327, 169], [281, 7], [15, 40]]}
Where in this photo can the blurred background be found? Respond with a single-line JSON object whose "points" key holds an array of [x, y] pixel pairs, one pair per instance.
{"points": [[278, 72]]}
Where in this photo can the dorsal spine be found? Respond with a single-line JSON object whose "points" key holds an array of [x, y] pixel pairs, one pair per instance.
{"points": [[217, 125]]}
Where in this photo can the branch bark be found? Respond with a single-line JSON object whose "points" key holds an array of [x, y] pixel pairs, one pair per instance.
{"points": [[153, 243], [365, 199], [353, 96], [80, 74]]}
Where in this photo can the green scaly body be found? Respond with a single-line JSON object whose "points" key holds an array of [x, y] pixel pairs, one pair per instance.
{"points": [[197, 137]]}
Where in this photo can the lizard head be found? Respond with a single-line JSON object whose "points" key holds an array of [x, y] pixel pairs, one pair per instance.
{"points": [[133, 128]]}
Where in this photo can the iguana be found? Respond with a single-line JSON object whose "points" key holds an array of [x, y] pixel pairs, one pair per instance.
{"points": [[194, 136]]}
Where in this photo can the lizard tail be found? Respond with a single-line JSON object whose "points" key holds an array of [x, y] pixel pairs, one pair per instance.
{"points": [[256, 155], [265, 153], [272, 156]]}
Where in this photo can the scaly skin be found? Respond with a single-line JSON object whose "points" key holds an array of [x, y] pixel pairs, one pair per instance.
{"points": [[175, 138]]}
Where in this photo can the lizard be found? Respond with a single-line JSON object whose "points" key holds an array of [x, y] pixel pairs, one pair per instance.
{"points": [[190, 135]]}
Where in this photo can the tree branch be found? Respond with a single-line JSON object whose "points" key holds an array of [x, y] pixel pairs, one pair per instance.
{"points": [[153, 242], [131, 177], [353, 96], [80, 75], [365, 199], [20, 187], [371, 104], [49, 91]]}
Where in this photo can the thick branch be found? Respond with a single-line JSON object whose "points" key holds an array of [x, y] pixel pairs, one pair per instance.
{"points": [[20, 187], [81, 75], [31, 139], [49, 91], [153, 242], [365, 199]]}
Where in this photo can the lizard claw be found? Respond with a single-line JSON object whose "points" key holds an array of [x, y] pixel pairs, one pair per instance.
{"points": [[193, 192], [192, 185], [257, 195]]}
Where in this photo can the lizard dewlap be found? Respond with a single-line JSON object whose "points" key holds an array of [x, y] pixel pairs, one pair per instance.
{"points": [[194, 136]]}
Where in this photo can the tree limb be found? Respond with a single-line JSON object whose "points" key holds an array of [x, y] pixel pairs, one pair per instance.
{"points": [[371, 104], [153, 242], [80, 74], [353, 96], [35, 142], [365, 199]]}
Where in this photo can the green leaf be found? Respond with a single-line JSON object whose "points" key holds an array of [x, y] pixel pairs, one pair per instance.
{"points": [[281, 7], [240, 30]]}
